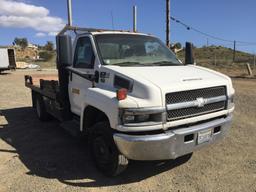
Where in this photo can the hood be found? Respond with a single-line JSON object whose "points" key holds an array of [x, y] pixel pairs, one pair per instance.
{"points": [[175, 78]]}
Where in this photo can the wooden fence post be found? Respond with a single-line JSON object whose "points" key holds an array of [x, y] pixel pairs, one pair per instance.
{"points": [[249, 69]]}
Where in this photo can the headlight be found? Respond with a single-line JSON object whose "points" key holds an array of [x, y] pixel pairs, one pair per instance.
{"points": [[142, 116], [135, 118], [231, 102]]}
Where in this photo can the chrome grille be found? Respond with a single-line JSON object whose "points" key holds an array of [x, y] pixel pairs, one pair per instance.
{"points": [[186, 104]]}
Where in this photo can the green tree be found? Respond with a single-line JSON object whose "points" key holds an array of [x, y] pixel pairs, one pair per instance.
{"points": [[49, 46], [22, 42]]}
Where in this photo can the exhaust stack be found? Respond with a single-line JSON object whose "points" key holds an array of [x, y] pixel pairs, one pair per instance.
{"points": [[69, 2], [168, 16], [135, 19]]}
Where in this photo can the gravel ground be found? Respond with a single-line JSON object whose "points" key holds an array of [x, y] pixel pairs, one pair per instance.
{"points": [[37, 156]]}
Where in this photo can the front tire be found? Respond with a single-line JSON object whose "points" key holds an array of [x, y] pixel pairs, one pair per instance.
{"points": [[105, 154]]}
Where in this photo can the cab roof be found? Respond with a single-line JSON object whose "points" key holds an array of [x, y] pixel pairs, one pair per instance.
{"points": [[119, 32], [94, 31]]}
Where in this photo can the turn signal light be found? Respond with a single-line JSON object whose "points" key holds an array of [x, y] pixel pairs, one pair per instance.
{"points": [[121, 94]]}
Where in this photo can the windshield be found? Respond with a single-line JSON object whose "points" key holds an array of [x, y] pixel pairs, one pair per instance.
{"points": [[130, 50]]}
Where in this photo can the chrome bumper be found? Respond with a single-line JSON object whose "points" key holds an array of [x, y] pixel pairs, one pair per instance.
{"points": [[171, 144]]}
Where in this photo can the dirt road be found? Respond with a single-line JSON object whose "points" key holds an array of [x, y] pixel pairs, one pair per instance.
{"points": [[37, 156]]}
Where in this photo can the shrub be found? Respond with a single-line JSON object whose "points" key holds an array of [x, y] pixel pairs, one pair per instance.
{"points": [[45, 55]]}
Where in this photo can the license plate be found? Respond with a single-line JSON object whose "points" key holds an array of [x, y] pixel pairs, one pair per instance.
{"points": [[204, 136]]}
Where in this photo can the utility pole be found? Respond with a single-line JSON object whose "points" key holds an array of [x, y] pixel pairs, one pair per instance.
{"points": [[135, 19], [234, 52], [168, 16]]}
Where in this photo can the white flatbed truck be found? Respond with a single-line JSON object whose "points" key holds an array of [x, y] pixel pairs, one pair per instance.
{"points": [[133, 98]]}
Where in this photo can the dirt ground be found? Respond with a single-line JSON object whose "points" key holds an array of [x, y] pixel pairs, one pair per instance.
{"points": [[37, 156]]}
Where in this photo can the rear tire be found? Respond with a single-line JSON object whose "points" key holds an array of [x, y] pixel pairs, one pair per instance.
{"points": [[41, 110], [105, 154]]}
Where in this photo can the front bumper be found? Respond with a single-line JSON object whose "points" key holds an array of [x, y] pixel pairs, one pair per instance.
{"points": [[172, 143]]}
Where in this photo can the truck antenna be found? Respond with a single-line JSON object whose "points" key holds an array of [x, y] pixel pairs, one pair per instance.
{"points": [[112, 19]]}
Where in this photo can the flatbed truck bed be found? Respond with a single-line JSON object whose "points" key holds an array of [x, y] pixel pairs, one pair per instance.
{"points": [[46, 87]]}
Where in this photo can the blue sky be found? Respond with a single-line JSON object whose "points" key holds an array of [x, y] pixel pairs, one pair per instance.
{"points": [[228, 19]]}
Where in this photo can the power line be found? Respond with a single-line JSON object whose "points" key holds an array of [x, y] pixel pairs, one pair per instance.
{"points": [[209, 35], [242, 43], [246, 45]]}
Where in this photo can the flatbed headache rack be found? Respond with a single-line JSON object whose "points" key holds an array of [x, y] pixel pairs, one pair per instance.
{"points": [[82, 29]]}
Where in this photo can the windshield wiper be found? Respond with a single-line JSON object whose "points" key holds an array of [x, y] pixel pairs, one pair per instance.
{"points": [[128, 63], [166, 63], [160, 63]]}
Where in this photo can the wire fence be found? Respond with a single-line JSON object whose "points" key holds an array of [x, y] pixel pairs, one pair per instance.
{"points": [[224, 55], [223, 59]]}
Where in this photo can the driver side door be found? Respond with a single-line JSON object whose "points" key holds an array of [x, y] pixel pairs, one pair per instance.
{"points": [[81, 73]]}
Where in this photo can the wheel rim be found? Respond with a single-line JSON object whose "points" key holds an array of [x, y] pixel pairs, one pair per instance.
{"points": [[38, 108]]}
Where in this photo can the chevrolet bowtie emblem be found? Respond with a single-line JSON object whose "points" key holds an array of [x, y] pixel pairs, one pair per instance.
{"points": [[201, 102]]}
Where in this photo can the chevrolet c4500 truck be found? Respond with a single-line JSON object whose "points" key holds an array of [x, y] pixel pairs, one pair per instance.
{"points": [[132, 98]]}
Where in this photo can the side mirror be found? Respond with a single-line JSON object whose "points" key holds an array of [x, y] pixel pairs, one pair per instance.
{"points": [[64, 50], [189, 55], [176, 48]]}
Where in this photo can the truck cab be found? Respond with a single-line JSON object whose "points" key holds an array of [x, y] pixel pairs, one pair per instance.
{"points": [[134, 98]]}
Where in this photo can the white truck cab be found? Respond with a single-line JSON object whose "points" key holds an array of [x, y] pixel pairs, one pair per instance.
{"points": [[134, 98]]}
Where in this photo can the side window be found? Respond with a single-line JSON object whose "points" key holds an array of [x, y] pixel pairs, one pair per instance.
{"points": [[84, 56]]}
